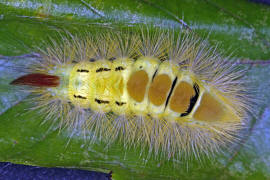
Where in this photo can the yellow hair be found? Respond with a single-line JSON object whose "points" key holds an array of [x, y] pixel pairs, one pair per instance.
{"points": [[170, 93]]}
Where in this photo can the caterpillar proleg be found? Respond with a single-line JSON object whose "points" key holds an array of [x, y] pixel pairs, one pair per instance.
{"points": [[168, 92]]}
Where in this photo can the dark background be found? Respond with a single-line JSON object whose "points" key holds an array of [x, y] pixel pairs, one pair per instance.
{"points": [[9, 171]]}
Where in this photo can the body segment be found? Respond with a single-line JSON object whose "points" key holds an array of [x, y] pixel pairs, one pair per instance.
{"points": [[144, 87]]}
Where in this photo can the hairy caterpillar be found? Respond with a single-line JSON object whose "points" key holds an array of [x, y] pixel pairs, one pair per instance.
{"points": [[165, 91]]}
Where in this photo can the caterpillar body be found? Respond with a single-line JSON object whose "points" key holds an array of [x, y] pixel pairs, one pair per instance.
{"points": [[169, 92]]}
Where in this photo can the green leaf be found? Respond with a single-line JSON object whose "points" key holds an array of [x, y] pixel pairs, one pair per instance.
{"points": [[240, 27]]}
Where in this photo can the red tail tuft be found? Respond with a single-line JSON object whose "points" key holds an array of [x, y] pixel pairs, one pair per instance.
{"points": [[37, 80]]}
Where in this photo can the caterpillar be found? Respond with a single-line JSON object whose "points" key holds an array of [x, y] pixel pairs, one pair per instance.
{"points": [[166, 91]]}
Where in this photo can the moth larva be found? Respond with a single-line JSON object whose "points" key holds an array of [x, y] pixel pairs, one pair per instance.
{"points": [[169, 92]]}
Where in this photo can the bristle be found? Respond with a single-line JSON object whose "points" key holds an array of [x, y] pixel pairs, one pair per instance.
{"points": [[153, 43], [37, 80]]}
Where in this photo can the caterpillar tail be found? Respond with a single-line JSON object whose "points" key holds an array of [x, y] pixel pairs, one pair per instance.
{"points": [[37, 80]]}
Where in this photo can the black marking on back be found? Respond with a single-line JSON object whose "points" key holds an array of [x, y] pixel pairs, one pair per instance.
{"points": [[120, 103], [193, 100], [119, 68], [112, 58], [102, 69], [99, 101], [83, 70], [79, 96], [170, 93], [154, 75], [136, 57]]}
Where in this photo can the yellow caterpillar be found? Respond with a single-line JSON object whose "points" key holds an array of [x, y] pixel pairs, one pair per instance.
{"points": [[169, 92]]}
